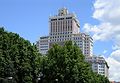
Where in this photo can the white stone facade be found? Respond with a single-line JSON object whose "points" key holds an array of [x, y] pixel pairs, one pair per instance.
{"points": [[99, 65], [65, 27], [43, 44]]}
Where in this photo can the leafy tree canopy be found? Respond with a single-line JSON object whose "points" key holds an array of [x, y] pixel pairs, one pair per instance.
{"points": [[18, 58], [62, 64], [67, 65]]}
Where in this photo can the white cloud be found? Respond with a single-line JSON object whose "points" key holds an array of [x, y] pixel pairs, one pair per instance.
{"points": [[114, 69], [90, 28], [102, 32], [116, 55], [114, 62], [116, 46], [108, 13], [105, 51]]}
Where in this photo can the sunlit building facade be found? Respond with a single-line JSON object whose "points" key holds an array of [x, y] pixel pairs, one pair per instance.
{"points": [[99, 65], [64, 27]]}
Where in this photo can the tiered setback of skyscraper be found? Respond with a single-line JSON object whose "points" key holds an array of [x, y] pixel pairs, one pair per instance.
{"points": [[64, 27]]}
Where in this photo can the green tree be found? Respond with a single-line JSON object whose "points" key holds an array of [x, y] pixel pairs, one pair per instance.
{"points": [[66, 64], [63, 64], [18, 58], [101, 79]]}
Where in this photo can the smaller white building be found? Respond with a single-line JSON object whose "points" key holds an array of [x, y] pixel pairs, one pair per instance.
{"points": [[43, 44], [98, 64]]}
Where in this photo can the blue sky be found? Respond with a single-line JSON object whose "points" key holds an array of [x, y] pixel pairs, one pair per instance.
{"points": [[29, 18]]}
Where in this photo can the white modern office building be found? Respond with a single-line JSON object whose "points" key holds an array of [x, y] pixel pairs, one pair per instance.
{"points": [[43, 44], [64, 27], [99, 65]]}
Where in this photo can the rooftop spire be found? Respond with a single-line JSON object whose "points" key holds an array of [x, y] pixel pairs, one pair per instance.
{"points": [[63, 11]]}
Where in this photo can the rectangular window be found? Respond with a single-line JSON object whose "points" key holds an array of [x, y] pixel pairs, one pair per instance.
{"points": [[53, 19], [68, 17], [60, 18]]}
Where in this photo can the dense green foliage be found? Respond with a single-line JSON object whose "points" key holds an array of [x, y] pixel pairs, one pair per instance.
{"points": [[18, 58], [62, 64], [66, 64]]}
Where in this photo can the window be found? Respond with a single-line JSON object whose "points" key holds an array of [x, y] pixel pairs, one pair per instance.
{"points": [[68, 17], [60, 18], [53, 19]]}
